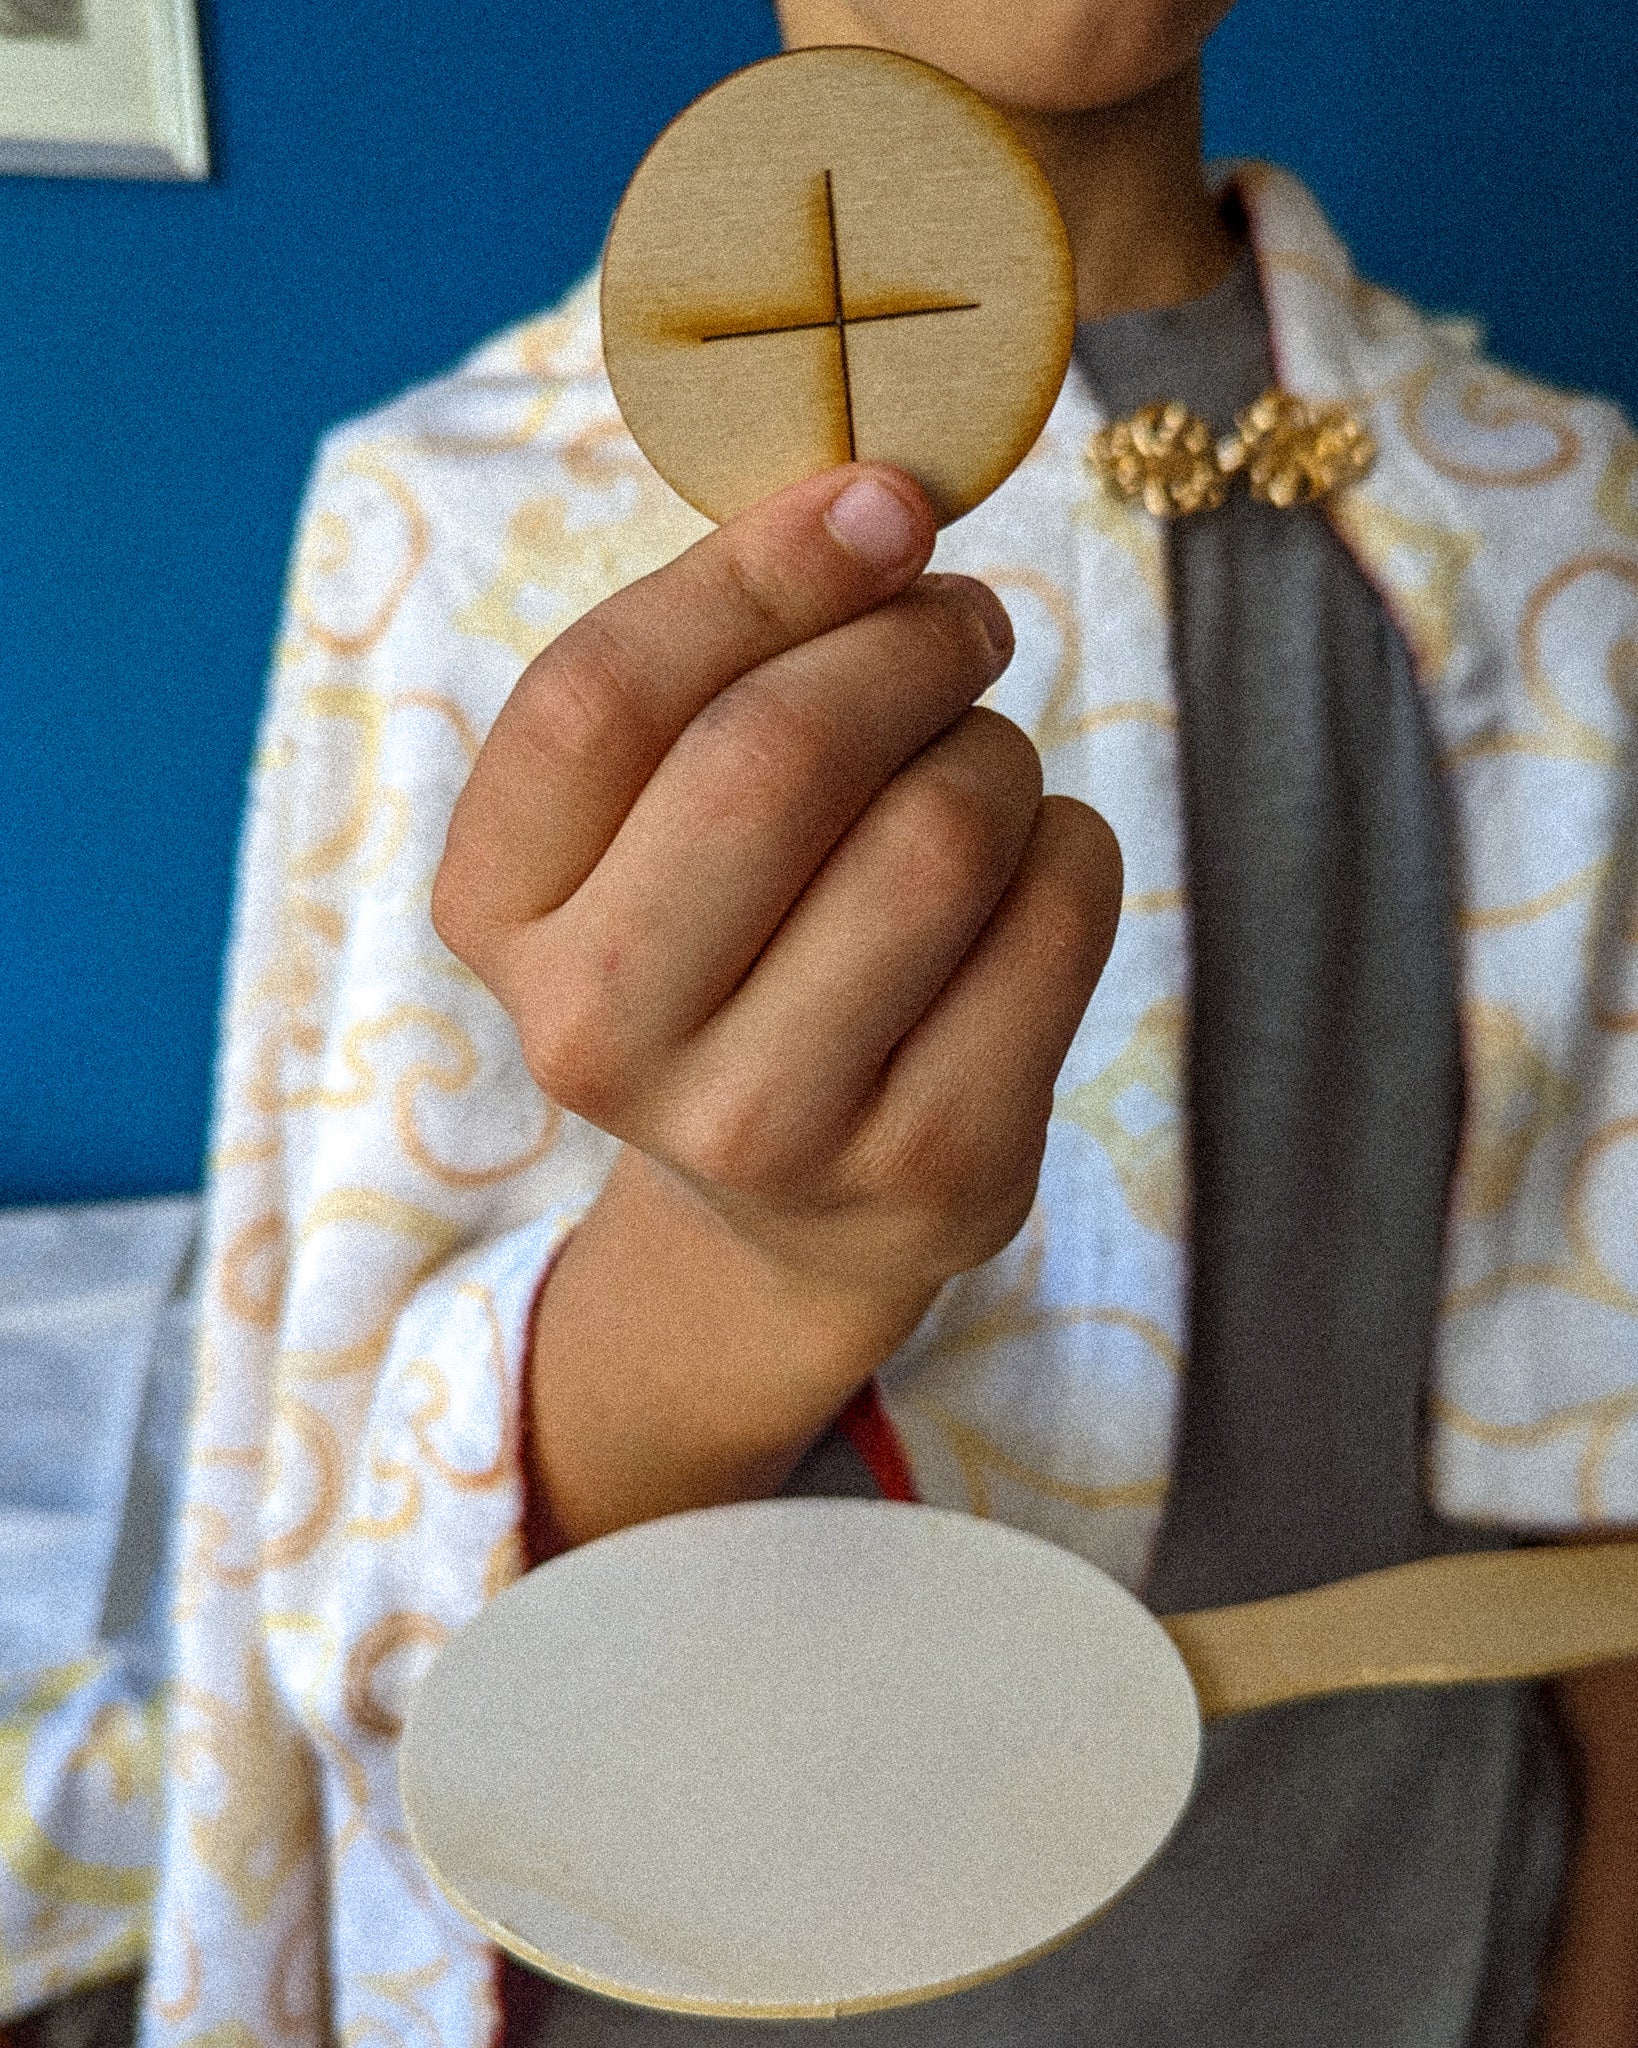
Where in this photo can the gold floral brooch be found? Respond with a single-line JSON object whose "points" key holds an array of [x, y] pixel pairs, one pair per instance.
{"points": [[1167, 458]]}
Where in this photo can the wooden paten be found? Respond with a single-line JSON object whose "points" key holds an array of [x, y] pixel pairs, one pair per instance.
{"points": [[837, 254], [798, 1758], [794, 1759]]}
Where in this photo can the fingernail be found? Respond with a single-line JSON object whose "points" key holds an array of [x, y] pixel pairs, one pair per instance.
{"points": [[874, 523]]}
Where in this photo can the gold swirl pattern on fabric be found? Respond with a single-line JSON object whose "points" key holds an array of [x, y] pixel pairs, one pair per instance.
{"points": [[331, 553], [1500, 917], [206, 1533], [350, 1818], [295, 2000], [266, 1809], [392, 809], [426, 1373], [1153, 902], [53, 1874], [1617, 497], [531, 423], [1514, 1098], [1145, 1149], [435, 1235], [1586, 1275], [442, 707], [451, 1079], [1566, 737], [1017, 1317], [1491, 402], [389, 1637], [301, 1440], [1620, 1131], [1601, 1418], [1141, 540], [508, 1560], [452, 1075], [383, 1526], [603, 453], [251, 1275], [552, 571], [565, 343], [1055, 727], [182, 2004], [1427, 604], [1060, 721], [123, 1740], [364, 709], [402, 1989], [979, 1459], [1592, 743]]}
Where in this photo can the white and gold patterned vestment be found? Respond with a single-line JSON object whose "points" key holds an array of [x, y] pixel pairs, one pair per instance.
{"points": [[387, 1183]]}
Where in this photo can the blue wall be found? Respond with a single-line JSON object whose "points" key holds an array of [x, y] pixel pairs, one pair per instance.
{"points": [[392, 183]]}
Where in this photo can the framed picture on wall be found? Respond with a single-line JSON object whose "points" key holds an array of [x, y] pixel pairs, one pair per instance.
{"points": [[101, 89]]}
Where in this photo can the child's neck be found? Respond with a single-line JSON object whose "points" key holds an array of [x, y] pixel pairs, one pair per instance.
{"points": [[1132, 189]]}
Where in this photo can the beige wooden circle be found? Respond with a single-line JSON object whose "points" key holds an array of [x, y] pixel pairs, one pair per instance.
{"points": [[831, 181], [798, 1758]]}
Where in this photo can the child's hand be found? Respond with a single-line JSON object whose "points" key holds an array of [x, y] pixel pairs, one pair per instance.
{"points": [[769, 900]]}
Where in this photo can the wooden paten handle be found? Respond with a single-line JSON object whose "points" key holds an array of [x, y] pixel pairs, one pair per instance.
{"points": [[1479, 1615]]}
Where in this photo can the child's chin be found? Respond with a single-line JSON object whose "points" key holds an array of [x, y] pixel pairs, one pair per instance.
{"points": [[1050, 56]]}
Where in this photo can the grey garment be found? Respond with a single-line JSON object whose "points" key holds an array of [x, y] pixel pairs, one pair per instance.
{"points": [[1374, 1871], [1325, 1066]]}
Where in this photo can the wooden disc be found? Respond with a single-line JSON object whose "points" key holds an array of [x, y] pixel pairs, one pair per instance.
{"points": [[798, 1758], [837, 253]]}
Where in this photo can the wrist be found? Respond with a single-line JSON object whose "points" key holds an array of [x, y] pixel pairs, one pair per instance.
{"points": [[676, 1363], [854, 1276]]}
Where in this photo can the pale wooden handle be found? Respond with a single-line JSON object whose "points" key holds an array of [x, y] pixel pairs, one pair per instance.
{"points": [[1480, 1615]]}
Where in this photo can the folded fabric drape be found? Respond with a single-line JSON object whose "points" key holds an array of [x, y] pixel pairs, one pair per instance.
{"points": [[96, 1320]]}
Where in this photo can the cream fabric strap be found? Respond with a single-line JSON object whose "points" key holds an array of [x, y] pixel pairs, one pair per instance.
{"points": [[1481, 1615]]}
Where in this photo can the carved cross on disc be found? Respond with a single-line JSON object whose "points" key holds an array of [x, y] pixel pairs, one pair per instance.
{"points": [[838, 254]]}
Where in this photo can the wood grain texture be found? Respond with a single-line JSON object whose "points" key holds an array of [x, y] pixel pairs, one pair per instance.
{"points": [[837, 253], [1482, 1616]]}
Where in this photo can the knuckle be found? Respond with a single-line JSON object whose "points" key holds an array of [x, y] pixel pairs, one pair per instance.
{"points": [[728, 1137], [457, 907], [1078, 901], [948, 837], [929, 1160], [1010, 755], [952, 625], [576, 701], [764, 745], [757, 593], [566, 1047], [449, 908]]}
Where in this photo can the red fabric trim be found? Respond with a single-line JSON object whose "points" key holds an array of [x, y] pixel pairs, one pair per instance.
{"points": [[869, 1429], [535, 1528], [522, 1997]]}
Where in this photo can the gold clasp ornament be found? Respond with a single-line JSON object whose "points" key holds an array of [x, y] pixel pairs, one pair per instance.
{"points": [[1164, 455], [1291, 451]]}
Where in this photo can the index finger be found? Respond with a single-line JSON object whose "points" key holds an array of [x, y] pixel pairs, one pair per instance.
{"points": [[595, 713]]}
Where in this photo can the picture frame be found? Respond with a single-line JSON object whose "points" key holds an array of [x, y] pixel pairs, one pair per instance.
{"points": [[102, 89]]}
